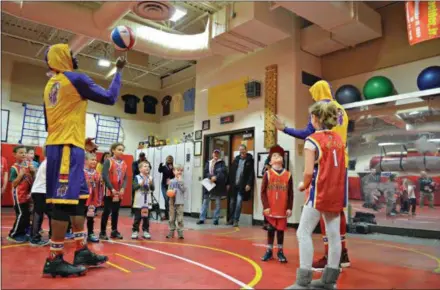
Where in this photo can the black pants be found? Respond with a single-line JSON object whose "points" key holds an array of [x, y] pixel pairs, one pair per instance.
{"points": [[413, 202], [40, 209], [404, 205], [90, 221], [22, 220], [113, 207], [271, 237], [137, 221]]}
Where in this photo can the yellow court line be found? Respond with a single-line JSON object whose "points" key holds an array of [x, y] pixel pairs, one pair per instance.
{"points": [[258, 271], [436, 270], [135, 261], [118, 267], [15, 245], [230, 232]]}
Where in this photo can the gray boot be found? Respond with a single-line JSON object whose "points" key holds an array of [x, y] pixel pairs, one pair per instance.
{"points": [[328, 279], [303, 279]]}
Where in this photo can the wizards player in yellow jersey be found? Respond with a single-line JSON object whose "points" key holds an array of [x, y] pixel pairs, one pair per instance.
{"points": [[321, 92], [65, 104]]}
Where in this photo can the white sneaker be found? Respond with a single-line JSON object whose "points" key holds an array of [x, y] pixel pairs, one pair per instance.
{"points": [[134, 235], [147, 235]]}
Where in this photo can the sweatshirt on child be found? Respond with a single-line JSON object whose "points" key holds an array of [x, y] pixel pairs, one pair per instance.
{"points": [[180, 189], [142, 194]]}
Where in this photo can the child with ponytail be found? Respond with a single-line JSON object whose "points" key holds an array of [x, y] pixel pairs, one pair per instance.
{"points": [[324, 182], [114, 174]]}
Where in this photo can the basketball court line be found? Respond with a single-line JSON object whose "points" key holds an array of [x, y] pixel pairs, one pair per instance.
{"points": [[226, 276], [258, 271], [118, 267], [135, 261]]}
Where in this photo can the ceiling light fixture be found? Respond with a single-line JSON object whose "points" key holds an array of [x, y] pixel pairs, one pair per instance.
{"points": [[414, 113], [104, 63], [178, 14], [433, 140], [388, 144]]}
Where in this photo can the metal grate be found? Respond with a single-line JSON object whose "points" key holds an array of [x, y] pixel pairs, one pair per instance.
{"points": [[34, 126], [107, 129]]}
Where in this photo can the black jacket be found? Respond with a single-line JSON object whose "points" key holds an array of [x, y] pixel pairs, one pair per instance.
{"points": [[167, 173], [221, 173], [247, 177]]}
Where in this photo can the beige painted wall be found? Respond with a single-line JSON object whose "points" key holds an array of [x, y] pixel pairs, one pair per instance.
{"points": [[292, 98], [390, 50]]}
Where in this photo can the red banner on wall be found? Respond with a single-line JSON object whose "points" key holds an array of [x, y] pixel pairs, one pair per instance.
{"points": [[423, 20]]}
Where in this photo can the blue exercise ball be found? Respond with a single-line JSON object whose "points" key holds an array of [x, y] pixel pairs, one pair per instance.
{"points": [[347, 94], [429, 78]]}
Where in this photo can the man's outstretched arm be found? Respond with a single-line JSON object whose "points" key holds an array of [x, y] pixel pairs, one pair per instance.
{"points": [[88, 89], [300, 133]]}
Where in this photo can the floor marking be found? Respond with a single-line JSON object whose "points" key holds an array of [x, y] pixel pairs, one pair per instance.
{"points": [[118, 267], [229, 232], [135, 261], [436, 259], [226, 276], [15, 245], [258, 271]]}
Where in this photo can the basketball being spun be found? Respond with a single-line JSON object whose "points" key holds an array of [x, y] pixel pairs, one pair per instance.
{"points": [[123, 38], [171, 193]]}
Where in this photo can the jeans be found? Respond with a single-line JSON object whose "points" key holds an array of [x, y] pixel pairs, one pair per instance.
{"points": [[413, 202], [205, 205], [235, 207], [167, 200]]}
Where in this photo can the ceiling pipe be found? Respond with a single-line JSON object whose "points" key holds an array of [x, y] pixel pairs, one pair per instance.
{"points": [[82, 21]]}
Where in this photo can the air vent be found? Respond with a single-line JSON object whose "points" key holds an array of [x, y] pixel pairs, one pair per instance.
{"points": [[154, 10]]}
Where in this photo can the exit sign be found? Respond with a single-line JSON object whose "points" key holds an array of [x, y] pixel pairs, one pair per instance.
{"points": [[227, 119]]}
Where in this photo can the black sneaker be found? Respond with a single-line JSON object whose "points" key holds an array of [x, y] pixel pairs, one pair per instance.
{"points": [[180, 235], [216, 223], [103, 236], [200, 222], [88, 258], [39, 243], [236, 224], [268, 256], [116, 235], [230, 223], [281, 257], [59, 267], [92, 238]]}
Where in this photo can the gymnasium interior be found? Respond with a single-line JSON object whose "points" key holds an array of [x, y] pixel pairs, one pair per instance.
{"points": [[203, 76]]}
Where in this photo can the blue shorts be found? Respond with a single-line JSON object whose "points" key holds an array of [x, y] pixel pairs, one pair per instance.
{"points": [[66, 183]]}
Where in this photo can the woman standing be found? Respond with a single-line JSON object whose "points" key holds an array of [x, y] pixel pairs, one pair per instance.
{"points": [[167, 174]]}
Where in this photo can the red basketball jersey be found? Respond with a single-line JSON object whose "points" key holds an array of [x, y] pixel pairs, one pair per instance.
{"points": [[327, 190]]}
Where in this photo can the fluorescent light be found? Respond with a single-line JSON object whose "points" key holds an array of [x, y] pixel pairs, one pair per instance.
{"points": [[433, 140], [178, 14], [104, 63], [387, 144], [414, 113]]}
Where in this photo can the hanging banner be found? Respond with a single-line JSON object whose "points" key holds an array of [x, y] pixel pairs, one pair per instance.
{"points": [[423, 20]]}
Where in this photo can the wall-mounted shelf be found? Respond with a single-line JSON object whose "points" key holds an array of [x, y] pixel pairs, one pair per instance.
{"points": [[419, 94]]}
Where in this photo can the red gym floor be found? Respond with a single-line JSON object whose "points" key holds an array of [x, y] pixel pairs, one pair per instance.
{"points": [[221, 258]]}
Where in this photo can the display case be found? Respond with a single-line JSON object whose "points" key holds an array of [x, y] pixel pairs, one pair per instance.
{"points": [[394, 145]]}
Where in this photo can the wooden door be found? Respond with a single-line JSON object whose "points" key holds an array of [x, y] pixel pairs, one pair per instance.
{"points": [[248, 140]]}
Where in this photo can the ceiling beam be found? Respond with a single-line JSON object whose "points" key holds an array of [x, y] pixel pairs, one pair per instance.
{"points": [[81, 54], [135, 18]]}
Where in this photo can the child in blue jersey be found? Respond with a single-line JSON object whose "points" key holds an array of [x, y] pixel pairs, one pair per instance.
{"points": [[66, 96]]}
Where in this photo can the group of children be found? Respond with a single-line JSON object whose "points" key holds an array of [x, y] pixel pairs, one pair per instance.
{"points": [[106, 185]]}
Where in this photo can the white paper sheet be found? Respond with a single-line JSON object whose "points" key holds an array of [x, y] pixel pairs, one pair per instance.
{"points": [[208, 184]]}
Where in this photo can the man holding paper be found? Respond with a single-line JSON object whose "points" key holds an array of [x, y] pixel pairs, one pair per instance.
{"points": [[215, 172]]}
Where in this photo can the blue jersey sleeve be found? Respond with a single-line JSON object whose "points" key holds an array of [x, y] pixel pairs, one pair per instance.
{"points": [[300, 133], [88, 89]]}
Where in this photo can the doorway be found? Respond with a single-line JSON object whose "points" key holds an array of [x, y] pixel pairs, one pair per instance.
{"points": [[228, 143]]}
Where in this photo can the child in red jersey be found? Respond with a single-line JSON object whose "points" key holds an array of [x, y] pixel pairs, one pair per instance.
{"points": [[277, 198], [324, 179], [22, 178], [93, 179], [114, 174]]}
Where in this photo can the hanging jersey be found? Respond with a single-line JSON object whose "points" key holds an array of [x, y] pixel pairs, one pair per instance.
{"points": [[93, 180], [22, 192], [327, 190], [277, 192], [117, 172]]}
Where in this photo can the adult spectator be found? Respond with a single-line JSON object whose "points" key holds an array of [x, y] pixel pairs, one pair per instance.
{"points": [[427, 187], [216, 171], [167, 174], [241, 183]]}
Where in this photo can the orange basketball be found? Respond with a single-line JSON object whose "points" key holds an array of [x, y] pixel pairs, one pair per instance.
{"points": [[171, 193]]}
